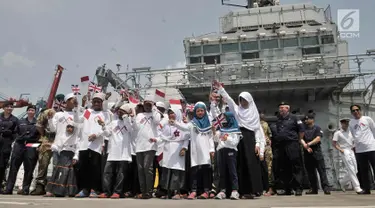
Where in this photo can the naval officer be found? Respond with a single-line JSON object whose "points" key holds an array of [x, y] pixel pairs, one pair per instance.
{"points": [[314, 159], [287, 133]]}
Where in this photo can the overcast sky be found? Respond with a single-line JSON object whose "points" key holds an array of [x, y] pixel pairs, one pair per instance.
{"points": [[35, 35]]}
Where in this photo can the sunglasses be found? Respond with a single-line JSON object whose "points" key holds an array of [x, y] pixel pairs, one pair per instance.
{"points": [[355, 110]]}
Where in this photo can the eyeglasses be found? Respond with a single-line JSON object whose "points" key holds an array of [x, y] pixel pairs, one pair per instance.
{"points": [[355, 110]]}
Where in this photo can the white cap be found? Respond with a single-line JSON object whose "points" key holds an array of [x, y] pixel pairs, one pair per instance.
{"points": [[160, 105], [68, 96], [99, 95], [126, 108], [149, 98]]}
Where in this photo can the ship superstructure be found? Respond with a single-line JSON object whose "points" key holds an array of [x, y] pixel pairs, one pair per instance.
{"points": [[289, 53]]}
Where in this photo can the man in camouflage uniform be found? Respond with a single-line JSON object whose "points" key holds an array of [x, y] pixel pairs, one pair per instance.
{"points": [[267, 152], [45, 153]]}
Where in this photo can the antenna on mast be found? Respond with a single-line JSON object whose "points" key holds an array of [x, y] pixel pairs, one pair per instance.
{"points": [[248, 5]]}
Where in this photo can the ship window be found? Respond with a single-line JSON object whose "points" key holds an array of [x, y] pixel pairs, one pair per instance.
{"points": [[229, 47], [211, 59], [195, 60], [211, 49], [195, 50], [327, 39], [309, 51], [254, 55], [290, 42], [249, 46], [306, 41], [269, 44]]}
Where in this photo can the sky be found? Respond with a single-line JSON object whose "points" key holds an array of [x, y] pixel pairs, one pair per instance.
{"points": [[36, 35]]}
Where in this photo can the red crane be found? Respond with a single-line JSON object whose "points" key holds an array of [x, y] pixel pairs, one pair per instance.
{"points": [[55, 85]]}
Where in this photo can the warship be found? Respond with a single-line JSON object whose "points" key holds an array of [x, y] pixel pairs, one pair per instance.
{"points": [[291, 53]]}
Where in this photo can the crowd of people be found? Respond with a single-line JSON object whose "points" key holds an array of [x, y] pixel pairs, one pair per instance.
{"points": [[207, 152]]}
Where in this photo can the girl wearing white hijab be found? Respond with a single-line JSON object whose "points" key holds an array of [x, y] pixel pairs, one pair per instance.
{"points": [[247, 116]]}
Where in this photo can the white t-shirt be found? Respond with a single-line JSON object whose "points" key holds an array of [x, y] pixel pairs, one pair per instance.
{"points": [[344, 139], [363, 130]]}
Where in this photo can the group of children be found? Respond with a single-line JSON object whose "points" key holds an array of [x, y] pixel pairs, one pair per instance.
{"points": [[136, 140]]}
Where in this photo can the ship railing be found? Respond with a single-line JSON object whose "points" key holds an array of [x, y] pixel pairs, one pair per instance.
{"points": [[309, 67]]}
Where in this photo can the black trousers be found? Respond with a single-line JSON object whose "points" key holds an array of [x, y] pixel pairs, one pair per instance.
{"points": [[315, 161], [287, 165], [249, 171], [90, 173], [131, 184], [264, 170], [363, 160], [29, 157], [145, 162], [201, 178], [227, 159], [114, 177], [5, 150]]}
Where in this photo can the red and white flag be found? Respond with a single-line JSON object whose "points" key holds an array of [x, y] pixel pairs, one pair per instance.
{"points": [[33, 145], [94, 87], [175, 103], [159, 95], [87, 114], [76, 90], [85, 79]]}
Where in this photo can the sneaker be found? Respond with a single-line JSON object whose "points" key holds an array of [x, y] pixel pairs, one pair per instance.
{"points": [[192, 195], [235, 195], [115, 196], [93, 194], [221, 195], [204, 196]]}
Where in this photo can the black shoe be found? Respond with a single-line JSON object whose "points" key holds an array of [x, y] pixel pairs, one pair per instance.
{"points": [[285, 193], [327, 191], [298, 192], [7, 193], [311, 192], [364, 192]]}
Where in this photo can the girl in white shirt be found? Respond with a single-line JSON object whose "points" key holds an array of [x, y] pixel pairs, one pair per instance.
{"points": [[202, 149]]}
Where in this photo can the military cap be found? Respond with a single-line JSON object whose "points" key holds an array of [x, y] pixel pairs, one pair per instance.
{"points": [[283, 103], [344, 119]]}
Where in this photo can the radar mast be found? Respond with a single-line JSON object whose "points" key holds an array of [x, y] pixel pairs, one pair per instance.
{"points": [[252, 3]]}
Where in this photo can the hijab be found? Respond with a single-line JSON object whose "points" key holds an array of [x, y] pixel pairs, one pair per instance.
{"points": [[248, 117], [177, 112], [203, 124], [232, 125]]}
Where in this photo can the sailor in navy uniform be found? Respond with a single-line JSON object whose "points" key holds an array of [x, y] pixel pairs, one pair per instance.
{"points": [[313, 156], [24, 152], [8, 124], [287, 133]]}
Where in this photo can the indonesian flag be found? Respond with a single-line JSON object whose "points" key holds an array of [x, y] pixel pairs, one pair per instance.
{"points": [[159, 95], [133, 101], [85, 79], [175, 104], [219, 121], [33, 145], [94, 87], [60, 105], [76, 90]]}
